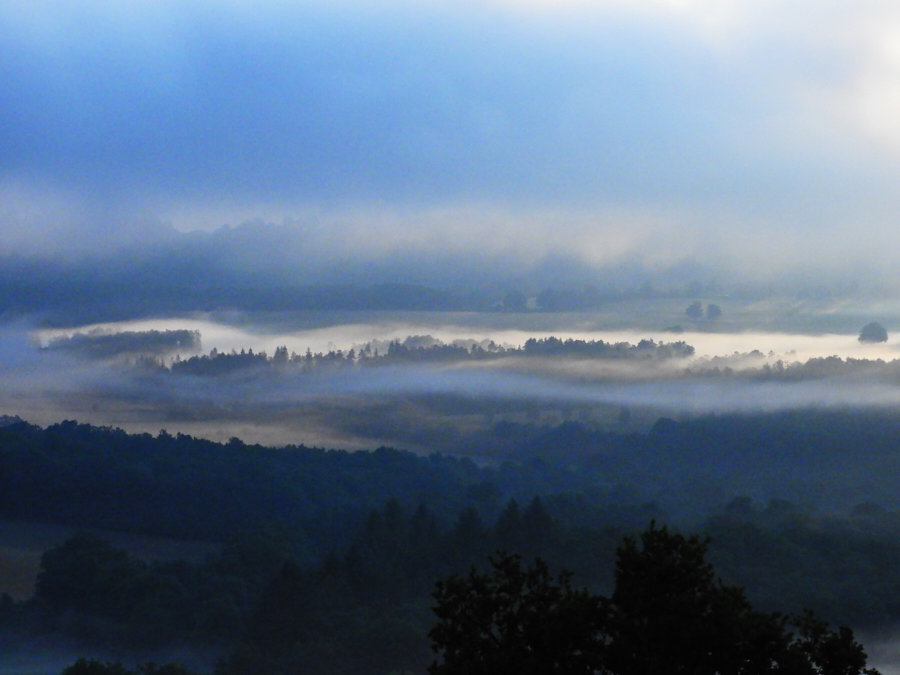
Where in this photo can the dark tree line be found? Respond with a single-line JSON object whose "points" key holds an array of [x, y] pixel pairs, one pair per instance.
{"points": [[71, 293], [409, 351], [95, 667], [97, 345], [186, 278]]}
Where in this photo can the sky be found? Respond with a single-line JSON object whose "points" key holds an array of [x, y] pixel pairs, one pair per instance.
{"points": [[760, 135]]}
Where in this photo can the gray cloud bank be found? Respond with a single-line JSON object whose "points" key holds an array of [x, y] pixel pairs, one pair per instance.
{"points": [[741, 133]]}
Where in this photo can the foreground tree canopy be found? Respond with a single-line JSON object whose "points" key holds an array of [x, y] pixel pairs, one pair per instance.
{"points": [[668, 614]]}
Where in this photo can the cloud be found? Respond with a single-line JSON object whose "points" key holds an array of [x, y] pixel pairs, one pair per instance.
{"points": [[673, 128]]}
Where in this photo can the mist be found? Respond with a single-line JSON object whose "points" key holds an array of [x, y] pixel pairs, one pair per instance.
{"points": [[753, 372], [328, 331]]}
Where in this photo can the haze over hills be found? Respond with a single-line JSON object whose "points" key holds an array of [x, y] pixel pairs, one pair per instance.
{"points": [[560, 143], [348, 295], [259, 267]]}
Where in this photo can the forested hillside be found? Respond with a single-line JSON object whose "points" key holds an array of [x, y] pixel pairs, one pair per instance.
{"points": [[332, 555]]}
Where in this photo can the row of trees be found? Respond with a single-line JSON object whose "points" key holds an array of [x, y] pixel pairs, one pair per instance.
{"points": [[417, 350], [94, 667], [176, 485]]}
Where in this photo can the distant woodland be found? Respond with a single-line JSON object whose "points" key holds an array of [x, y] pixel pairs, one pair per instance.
{"points": [[433, 351], [180, 280], [97, 345]]}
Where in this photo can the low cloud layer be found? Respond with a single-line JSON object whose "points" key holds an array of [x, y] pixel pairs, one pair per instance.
{"points": [[759, 136]]}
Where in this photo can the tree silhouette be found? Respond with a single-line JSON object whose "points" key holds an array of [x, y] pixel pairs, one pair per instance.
{"points": [[694, 310], [516, 621], [668, 614]]}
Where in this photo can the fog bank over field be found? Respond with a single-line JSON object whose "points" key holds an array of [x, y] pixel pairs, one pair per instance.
{"points": [[358, 406], [241, 333]]}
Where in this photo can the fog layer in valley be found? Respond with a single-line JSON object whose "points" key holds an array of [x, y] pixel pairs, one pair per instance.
{"points": [[726, 373], [326, 331]]}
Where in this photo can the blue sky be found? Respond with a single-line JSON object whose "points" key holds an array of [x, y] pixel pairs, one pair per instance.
{"points": [[757, 134]]}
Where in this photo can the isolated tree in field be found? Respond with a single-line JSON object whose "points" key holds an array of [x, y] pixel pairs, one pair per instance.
{"points": [[873, 332], [695, 310], [515, 301], [668, 614], [713, 312], [89, 574]]}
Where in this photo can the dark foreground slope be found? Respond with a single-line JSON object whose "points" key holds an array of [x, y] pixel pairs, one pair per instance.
{"points": [[359, 539]]}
